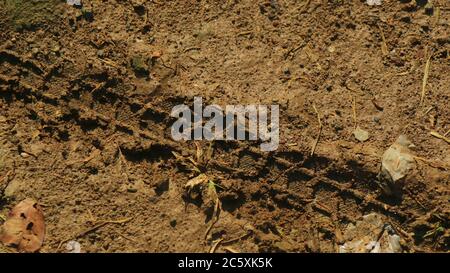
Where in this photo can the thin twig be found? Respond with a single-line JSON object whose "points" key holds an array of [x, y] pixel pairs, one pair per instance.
{"points": [[215, 219], [215, 245], [437, 135], [313, 149], [236, 239], [425, 78], [230, 249], [95, 227], [384, 48], [354, 112]]}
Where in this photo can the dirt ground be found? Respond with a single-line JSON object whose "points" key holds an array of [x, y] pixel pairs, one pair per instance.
{"points": [[85, 101]]}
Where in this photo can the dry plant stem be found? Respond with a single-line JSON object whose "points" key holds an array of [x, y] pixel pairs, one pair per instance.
{"points": [[215, 245], [354, 111], [425, 79], [236, 239], [230, 249], [313, 149], [100, 224], [215, 219], [384, 48], [443, 137]]}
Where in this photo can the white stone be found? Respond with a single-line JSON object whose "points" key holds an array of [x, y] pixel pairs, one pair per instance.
{"points": [[74, 2], [374, 2]]}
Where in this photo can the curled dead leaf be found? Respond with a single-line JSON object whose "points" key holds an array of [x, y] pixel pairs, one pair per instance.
{"points": [[193, 186], [25, 227], [198, 180], [397, 161]]}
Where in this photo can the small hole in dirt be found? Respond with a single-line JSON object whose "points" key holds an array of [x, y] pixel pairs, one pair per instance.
{"points": [[226, 146], [421, 3], [7, 97], [294, 156], [296, 176], [140, 10], [97, 144], [88, 125], [146, 29], [124, 130], [217, 235], [144, 125], [93, 171], [406, 19], [33, 115], [134, 107], [29, 226], [153, 153], [351, 26], [152, 115], [188, 200], [64, 135], [105, 96], [162, 186], [316, 162], [232, 200]]}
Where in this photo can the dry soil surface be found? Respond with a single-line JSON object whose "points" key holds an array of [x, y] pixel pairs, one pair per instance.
{"points": [[86, 96]]}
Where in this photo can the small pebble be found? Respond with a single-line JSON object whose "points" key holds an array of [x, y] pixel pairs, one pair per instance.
{"points": [[374, 2], [429, 8], [360, 134], [132, 190], [56, 48], [100, 53], [73, 247], [74, 2]]}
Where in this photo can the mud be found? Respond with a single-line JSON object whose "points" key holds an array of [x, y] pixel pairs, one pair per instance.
{"points": [[86, 96]]}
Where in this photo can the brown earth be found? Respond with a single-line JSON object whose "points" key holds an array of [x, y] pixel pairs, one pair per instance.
{"points": [[85, 101]]}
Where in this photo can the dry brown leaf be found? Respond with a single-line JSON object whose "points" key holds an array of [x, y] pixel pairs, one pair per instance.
{"points": [[360, 134], [25, 227], [198, 180]]}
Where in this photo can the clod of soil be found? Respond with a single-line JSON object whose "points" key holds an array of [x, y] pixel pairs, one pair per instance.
{"points": [[28, 14]]}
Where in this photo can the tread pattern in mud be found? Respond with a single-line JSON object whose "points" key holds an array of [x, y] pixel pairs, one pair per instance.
{"points": [[93, 135]]}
